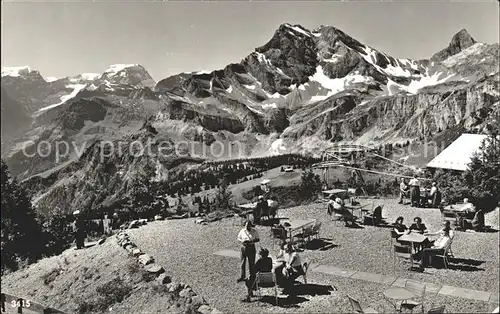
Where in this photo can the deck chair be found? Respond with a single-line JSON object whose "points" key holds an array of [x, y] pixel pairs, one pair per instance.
{"points": [[356, 306], [316, 229], [437, 310], [266, 280], [304, 236], [402, 252], [375, 217], [419, 290], [445, 254]]}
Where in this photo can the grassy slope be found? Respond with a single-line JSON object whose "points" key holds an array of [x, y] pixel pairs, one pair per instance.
{"points": [[70, 279]]}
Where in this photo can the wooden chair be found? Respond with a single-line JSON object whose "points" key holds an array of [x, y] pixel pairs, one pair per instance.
{"points": [[402, 252], [266, 280], [419, 290], [375, 217], [356, 306], [437, 310]]}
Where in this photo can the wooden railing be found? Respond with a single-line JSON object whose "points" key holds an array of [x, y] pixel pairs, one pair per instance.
{"points": [[11, 301]]}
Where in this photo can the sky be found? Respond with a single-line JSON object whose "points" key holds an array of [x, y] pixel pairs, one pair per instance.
{"points": [[67, 38]]}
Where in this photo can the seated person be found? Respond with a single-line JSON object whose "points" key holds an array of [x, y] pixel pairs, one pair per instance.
{"points": [[263, 206], [336, 206], [399, 227], [263, 265], [467, 207], [418, 226], [291, 269], [437, 246], [478, 221]]}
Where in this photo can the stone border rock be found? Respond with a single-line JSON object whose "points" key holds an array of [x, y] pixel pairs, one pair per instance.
{"points": [[184, 291]]}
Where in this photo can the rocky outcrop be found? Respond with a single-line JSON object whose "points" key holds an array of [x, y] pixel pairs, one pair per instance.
{"points": [[459, 42], [184, 298]]}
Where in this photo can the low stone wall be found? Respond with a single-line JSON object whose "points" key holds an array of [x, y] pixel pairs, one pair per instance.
{"points": [[183, 294]]}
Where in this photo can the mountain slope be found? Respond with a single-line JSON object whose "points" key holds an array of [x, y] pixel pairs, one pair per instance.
{"points": [[302, 91]]}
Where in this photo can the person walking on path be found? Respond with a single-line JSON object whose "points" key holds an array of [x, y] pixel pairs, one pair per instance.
{"points": [[248, 236], [415, 191], [79, 230]]}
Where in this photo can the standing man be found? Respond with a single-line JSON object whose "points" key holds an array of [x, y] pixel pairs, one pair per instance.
{"points": [[414, 191], [248, 236], [403, 191], [79, 230]]}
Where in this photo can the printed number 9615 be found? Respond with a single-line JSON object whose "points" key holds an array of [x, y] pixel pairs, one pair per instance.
{"points": [[20, 303]]}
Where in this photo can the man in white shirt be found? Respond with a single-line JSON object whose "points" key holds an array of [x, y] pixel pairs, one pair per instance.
{"points": [[248, 236]]}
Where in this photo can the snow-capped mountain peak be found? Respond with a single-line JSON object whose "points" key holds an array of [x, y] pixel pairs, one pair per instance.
{"points": [[130, 74], [16, 71], [115, 68]]}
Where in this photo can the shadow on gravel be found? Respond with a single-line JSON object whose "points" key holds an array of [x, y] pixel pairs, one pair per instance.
{"points": [[355, 226], [320, 244], [288, 302], [313, 289], [295, 298]]}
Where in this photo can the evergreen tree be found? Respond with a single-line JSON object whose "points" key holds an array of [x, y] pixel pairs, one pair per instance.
{"points": [[223, 198], [141, 201], [483, 176], [310, 184], [20, 231]]}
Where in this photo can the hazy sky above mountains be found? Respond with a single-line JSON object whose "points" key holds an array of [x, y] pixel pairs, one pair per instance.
{"points": [[67, 38]]}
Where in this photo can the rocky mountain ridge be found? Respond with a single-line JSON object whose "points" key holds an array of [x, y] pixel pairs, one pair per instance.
{"points": [[302, 91]]}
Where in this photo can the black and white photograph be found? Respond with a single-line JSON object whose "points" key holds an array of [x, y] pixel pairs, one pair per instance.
{"points": [[250, 156]]}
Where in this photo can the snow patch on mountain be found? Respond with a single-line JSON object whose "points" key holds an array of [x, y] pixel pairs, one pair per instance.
{"points": [[277, 147], [51, 79], [76, 89], [299, 30], [16, 71], [371, 57], [464, 54], [115, 68], [434, 79], [333, 86]]}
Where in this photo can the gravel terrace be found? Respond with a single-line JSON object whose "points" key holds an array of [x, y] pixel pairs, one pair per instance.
{"points": [[186, 250]]}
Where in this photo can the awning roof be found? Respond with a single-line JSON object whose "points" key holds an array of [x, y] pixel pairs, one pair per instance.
{"points": [[459, 153]]}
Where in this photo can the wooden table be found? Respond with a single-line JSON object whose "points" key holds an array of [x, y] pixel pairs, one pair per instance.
{"points": [[398, 294], [297, 224], [413, 237]]}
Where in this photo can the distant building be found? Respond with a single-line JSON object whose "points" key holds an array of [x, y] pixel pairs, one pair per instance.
{"points": [[458, 154]]}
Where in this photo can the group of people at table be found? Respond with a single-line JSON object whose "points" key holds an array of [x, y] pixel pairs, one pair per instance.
{"points": [[424, 251], [412, 190], [287, 267]]}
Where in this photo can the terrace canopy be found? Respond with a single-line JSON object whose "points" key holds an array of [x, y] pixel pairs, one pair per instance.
{"points": [[458, 154]]}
